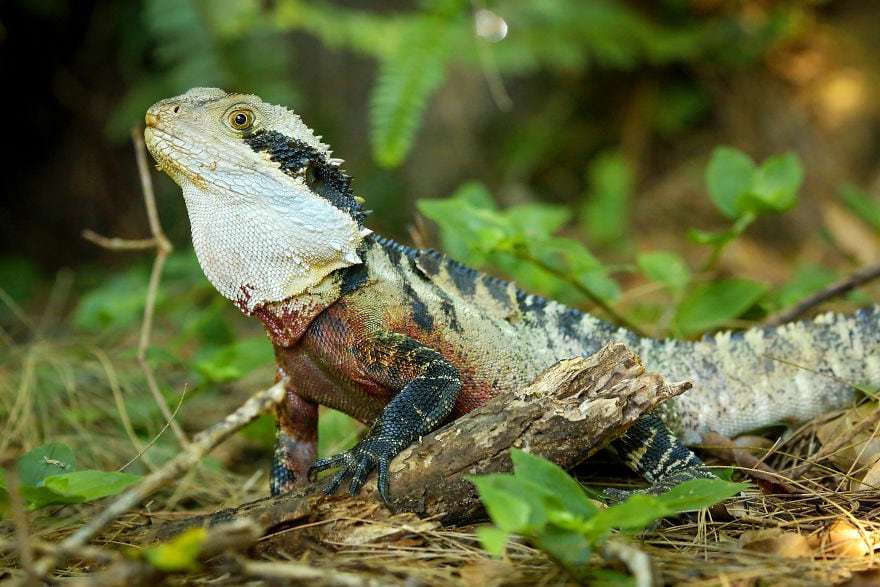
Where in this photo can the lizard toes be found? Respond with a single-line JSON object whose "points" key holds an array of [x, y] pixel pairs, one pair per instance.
{"points": [[360, 474]]}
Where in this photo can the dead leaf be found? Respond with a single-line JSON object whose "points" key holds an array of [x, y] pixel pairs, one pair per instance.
{"points": [[863, 450], [843, 540], [776, 542]]}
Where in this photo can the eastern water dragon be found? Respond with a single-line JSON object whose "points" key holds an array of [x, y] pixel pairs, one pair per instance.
{"points": [[406, 339]]}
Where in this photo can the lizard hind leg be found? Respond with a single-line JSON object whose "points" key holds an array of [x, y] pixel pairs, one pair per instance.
{"points": [[650, 449]]}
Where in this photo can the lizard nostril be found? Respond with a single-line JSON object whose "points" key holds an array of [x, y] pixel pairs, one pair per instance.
{"points": [[176, 109]]}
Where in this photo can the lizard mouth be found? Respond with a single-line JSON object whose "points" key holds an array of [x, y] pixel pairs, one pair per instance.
{"points": [[164, 149]]}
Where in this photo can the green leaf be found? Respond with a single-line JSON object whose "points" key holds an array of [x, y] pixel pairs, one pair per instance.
{"points": [[606, 211], [639, 510], [554, 482], [40, 497], [181, 553], [538, 220], [49, 459], [697, 494], [570, 548], [729, 177], [493, 540], [862, 205], [505, 502], [636, 512], [776, 184], [713, 304], [470, 227], [666, 268], [407, 78], [90, 485]]}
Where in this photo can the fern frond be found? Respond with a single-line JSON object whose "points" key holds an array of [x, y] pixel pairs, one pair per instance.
{"points": [[407, 79]]}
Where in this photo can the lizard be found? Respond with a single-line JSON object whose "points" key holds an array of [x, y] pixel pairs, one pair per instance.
{"points": [[406, 339]]}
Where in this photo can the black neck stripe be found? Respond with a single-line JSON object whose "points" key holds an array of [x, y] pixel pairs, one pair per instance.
{"points": [[329, 181]]}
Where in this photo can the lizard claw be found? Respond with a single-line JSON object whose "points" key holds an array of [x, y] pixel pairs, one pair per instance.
{"points": [[357, 463]]}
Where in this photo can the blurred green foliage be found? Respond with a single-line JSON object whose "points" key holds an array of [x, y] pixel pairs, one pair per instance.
{"points": [[242, 44]]}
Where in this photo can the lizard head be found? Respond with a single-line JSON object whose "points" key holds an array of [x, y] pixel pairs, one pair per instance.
{"points": [[272, 213]]}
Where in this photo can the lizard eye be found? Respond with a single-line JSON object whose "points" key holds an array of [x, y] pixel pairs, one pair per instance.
{"points": [[240, 119]]}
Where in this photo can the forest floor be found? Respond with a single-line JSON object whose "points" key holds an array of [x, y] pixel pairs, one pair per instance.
{"points": [[797, 526]]}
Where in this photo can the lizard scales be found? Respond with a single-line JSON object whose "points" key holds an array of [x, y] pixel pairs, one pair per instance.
{"points": [[404, 339]]}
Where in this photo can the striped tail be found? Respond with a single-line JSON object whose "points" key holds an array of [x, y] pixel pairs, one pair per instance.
{"points": [[764, 376]]}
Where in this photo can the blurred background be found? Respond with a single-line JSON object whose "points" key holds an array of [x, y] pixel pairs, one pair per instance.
{"points": [[578, 141]]}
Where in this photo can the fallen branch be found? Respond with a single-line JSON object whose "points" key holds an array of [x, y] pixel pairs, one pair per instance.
{"points": [[571, 411], [834, 290]]}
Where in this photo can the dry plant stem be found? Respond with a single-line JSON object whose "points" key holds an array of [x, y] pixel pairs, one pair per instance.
{"points": [[725, 448], [569, 412], [119, 244], [163, 248], [192, 453], [839, 288]]}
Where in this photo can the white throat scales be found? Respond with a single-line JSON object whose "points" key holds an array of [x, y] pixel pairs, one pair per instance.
{"points": [[269, 247], [261, 235]]}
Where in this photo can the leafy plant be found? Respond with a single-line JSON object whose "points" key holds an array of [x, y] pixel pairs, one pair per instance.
{"points": [[47, 476], [542, 503], [407, 78], [743, 191]]}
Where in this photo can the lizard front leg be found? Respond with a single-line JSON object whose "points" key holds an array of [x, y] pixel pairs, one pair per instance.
{"points": [[295, 443], [428, 387]]}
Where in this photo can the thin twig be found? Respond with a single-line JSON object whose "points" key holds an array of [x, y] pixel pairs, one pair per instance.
{"points": [[191, 454], [159, 434], [163, 248], [845, 285], [119, 244]]}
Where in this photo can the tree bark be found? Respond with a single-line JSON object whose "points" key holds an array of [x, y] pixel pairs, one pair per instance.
{"points": [[569, 412]]}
